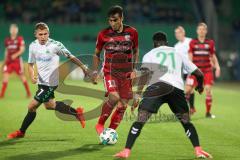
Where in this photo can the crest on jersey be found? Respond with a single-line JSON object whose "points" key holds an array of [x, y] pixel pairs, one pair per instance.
{"points": [[127, 37], [196, 46], [206, 46]]}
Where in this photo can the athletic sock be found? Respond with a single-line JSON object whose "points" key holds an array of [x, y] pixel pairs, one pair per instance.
{"points": [[65, 109], [27, 88], [29, 118], [4, 87], [106, 112], [191, 100], [117, 117], [134, 132], [191, 133], [208, 103]]}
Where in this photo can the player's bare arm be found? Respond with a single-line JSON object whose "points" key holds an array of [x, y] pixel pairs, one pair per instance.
{"points": [[216, 65], [199, 75], [190, 56], [96, 62], [32, 73], [85, 69], [144, 75]]}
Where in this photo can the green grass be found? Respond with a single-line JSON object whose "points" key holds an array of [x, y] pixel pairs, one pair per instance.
{"points": [[51, 138]]}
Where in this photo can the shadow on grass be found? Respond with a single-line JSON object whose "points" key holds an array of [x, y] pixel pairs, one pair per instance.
{"points": [[49, 155], [9, 142]]}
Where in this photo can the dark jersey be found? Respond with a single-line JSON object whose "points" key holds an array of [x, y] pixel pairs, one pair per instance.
{"points": [[118, 48], [201, 54]]}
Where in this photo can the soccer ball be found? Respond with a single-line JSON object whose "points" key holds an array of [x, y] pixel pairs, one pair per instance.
{"points": [[108, 136]]}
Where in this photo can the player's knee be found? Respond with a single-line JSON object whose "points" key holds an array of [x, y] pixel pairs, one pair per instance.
{"points": [[184, 118], [208, 91], [188, 90], [32, 108], [113, 100], [49, 107]]}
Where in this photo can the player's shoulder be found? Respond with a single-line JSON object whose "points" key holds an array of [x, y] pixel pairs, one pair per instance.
{"points": [[195, 40], [129, 28], [211, 41], [54, 42], [7, 39], [20, 38], [105, 30], [188, 39], [33, 44]]}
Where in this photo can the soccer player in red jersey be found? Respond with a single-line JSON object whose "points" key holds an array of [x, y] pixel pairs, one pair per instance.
{"points": [[13, 62], [120, 45], [202, 53]]}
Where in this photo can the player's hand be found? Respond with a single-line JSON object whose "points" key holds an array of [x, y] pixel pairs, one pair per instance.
{"points": [[94, 77], [217, 72], [199, 89], [136, 101], [34, 80], [132, 75], [14, 56]]}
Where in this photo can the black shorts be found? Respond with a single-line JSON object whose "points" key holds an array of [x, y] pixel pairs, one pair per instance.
{"points": [[185, 77], [44, 93], [175, 98]]}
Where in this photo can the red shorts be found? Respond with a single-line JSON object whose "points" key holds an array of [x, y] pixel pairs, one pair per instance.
{"points": [[17, 67], [208, 79], [122, 86]]}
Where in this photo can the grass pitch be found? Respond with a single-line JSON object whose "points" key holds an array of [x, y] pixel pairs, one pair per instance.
{"points": [[51, 138]]}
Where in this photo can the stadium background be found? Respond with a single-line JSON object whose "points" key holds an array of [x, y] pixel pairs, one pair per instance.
{"points": [[76, 24]]}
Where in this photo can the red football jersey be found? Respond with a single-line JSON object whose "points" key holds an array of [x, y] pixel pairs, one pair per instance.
{"points": [[201, 53], [13, 46], [118, 48]]}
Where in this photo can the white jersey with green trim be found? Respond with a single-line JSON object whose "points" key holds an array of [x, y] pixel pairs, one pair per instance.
{"points": [[183, 47], [46, 58], [166, 65]]}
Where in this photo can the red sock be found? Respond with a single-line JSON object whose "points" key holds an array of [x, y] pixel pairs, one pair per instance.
{"points": [[117, 117], [27, 88], [4, 87], [106, 112], [208, 103]]}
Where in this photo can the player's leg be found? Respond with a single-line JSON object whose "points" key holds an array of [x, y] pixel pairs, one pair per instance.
{"points": [[134, 132], [118, 114], [178, 105], [208, 101], [19, 69], [189, 92], [25, 84], [111, 86], [29, 118], [147, 106], [125, 92], [63, 108], [208, 82], [4, 84], [107, 108]]}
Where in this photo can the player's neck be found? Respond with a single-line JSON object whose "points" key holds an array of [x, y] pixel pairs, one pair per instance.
{"points": [[182, 40], [13, 37], [120, 29], [201, 39]]}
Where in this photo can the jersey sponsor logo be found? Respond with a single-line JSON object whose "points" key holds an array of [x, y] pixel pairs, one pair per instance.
{"points": [[206, 46], [44, 59], [13, 46], [127, 37], [118, 46]]}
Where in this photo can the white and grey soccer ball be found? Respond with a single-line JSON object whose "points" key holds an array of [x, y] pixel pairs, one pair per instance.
{"points": [[108, 136]]}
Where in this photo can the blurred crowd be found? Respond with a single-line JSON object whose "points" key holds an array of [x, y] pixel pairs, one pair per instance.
{"points": [[91, 11]]}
